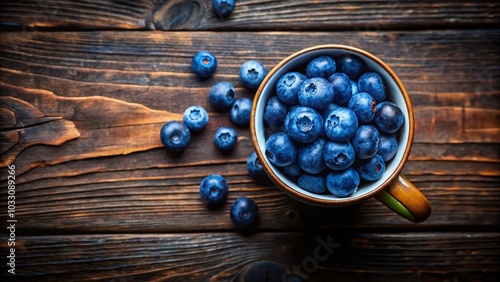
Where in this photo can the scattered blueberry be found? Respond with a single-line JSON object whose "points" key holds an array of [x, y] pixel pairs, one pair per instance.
{"points": [[195, 118], [252, 73], [372, 83], [316, 92], [223, 8], [287, 87], [352, 65], [343, 183], [204, 64], [364, 106], [225, 138], [244, 213], [371, 169], [341, 124], [222, 95], [366, 141], [240, 112], [275, 111], [314, 183], [213, 189], [341, 87], [256, 169], [388, 146], [280, 149], [323, 66], [388, 117], [303, 124], [310, 156], [175, 136], [338, 155]]}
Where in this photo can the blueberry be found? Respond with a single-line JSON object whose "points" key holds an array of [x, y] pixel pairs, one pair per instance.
{"points": [[341, 87], [314, 183], [204, 64], [371, 169], [213, 189], [244, 213], [222, 95], [256, 169], [388, 146], [341, 124], [364, 106], [322, 66], [275, 111], [252, 73], [352, 65], [310, 156], [287, 87], [366, 141], [354, 87], [195, 118], [175, 136], [292, 169], [343, 183], [372, 83], [223, 8], [280, 149], [225, 138], [303, 124], [388, 117], [339, 155], [316, 93], [326, 111], [240, 112]]}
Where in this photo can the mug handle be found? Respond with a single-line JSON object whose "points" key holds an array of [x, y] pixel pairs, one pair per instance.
{"points": [[405, 199]]}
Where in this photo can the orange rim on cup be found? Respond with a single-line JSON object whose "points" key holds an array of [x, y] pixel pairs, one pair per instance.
{"points": [[392, 189]]}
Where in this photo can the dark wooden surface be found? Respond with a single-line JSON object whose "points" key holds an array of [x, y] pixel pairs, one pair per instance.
{"points": [[86, 85]]}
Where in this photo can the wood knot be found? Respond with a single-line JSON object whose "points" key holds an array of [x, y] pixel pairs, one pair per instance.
{"points": [[179, 14]]}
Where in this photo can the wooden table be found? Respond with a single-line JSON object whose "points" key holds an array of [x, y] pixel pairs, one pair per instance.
{"points": [[86, 85]]}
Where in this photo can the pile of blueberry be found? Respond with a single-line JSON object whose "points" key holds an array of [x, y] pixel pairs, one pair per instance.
{"points": [[176, 135], [329, 127]]}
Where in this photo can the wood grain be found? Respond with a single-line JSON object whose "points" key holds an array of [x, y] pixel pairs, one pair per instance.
{"points": [[249, 15], [221, 256]]}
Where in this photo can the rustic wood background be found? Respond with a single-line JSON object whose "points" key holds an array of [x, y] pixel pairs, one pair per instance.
{"points": [[86, 85]]}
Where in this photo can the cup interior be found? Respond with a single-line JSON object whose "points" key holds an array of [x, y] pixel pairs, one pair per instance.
{"points": [[395, 93]]}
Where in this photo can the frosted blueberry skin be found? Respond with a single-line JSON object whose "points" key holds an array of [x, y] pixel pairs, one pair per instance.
{"points": [[213, 190], [326, 111], [225, 138], [316, 93], [322, 66], [388, 117], [372, 83], [341, 87], [350, 64], [310, 156], [341, 124], [388, 146], [244, 213], [195, 118], [314, 183], [364, 106], [175, 136], [354, 87], [303, 124], [240, 112], [371, 169], [223, 8], [366, 141], [292, 169], [204, 64], [280, 149], [343, 183], [222, 95], [287, 87], [275, 112], [339, 155], [256, 169], [252, 74]]}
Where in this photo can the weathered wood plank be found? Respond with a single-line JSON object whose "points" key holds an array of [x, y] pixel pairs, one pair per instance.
{"points": [[249, 15], [328, 256]]}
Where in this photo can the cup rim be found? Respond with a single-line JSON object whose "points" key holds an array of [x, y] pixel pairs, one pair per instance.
{"points": [[341, 201]]}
